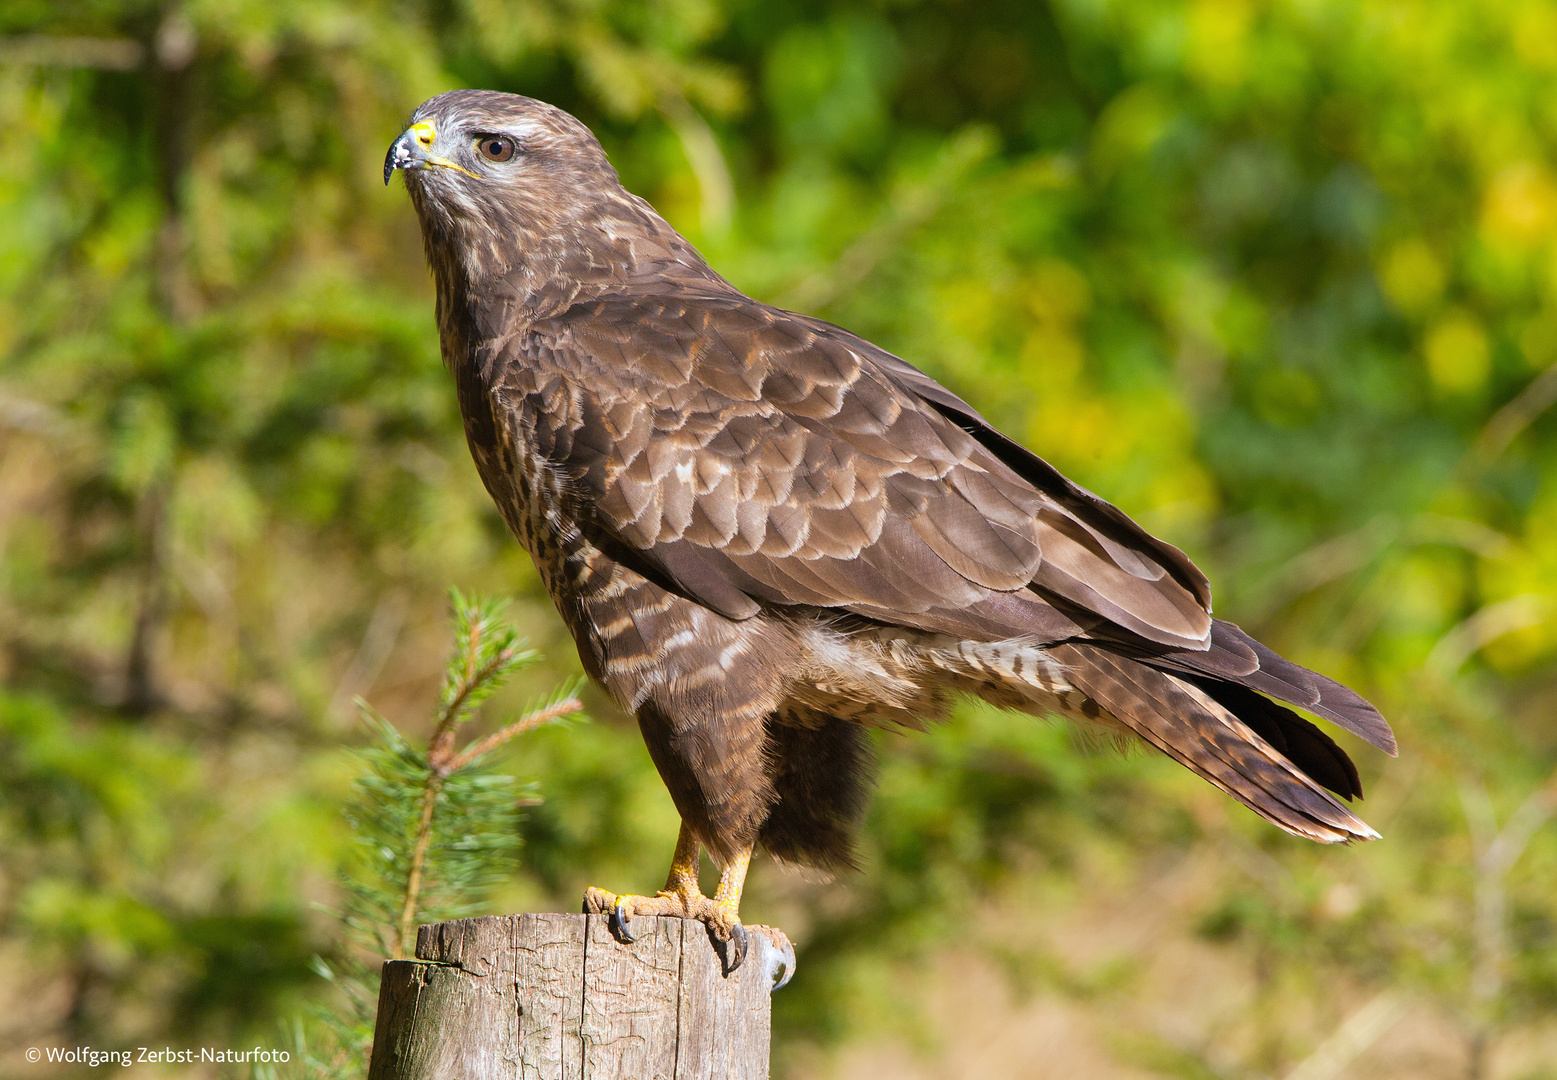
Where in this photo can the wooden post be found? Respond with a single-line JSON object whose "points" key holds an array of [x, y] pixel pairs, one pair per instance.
{"points": [[557, 997]]}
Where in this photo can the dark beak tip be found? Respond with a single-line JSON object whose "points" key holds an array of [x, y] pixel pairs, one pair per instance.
{"points": [[399, 156]]}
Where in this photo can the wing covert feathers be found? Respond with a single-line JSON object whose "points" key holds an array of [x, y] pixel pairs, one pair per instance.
{"points": [[739, 449], [1185, 722]]}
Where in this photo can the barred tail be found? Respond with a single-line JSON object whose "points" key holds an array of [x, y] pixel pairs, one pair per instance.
{"points": [[1225, 734]]}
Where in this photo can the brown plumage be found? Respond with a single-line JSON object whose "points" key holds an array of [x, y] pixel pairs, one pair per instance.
{"points": [[766, 533]]}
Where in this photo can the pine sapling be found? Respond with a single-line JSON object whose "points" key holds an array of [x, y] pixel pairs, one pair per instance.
{"points": [[432, 831]]}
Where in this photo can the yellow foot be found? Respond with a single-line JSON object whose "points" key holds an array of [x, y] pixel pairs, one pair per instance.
{"points": [[722, 919]]}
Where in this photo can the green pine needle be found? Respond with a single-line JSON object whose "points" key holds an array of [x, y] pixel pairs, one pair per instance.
{"points": [[434, 830]]}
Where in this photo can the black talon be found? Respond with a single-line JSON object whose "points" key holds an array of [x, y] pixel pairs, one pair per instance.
{"points": [[732, 953], [623, 931], [742, 942]]}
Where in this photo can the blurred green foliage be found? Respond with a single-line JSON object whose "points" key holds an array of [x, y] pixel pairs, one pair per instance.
{"points": [[433, 833], [1280, 278]]}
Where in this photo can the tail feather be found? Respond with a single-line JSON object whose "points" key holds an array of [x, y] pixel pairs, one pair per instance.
{"points": [[1236, 657], [1190, 724], [1303, 744]]}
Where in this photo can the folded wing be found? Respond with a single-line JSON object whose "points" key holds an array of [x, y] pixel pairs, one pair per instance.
{"points": [[753, 457]]}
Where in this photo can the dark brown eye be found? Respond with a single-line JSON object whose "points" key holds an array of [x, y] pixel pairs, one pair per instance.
{"points": [[496, 148]]}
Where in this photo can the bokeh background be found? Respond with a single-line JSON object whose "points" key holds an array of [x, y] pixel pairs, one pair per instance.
{"points": [[1279, 278]]}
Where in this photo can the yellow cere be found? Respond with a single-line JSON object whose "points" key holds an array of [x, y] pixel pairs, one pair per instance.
{"points": [[425, 133]]}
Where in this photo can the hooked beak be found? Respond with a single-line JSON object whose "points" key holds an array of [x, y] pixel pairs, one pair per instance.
{"points": [[413, 151], [410, 150]]}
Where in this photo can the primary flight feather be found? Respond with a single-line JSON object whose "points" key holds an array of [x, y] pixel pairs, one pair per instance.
{"points": [[765, 533]]}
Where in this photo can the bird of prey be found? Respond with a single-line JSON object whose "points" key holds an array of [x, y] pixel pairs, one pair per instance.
{"points": [[767, 534]]}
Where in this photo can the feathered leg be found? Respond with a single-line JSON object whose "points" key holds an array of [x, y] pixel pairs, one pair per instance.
{"points": [[822, 774]]}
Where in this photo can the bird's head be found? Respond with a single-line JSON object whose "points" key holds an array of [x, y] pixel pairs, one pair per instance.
{"points": [[499, 179], [499, 143]]}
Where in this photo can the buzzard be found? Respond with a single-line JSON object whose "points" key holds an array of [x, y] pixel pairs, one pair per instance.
{"points": [[767, 534]]}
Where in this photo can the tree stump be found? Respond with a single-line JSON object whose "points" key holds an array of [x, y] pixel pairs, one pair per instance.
{"points": [[558, 997]]}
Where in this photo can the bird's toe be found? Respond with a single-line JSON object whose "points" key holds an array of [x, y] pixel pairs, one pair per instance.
{"points": [[729, 937], [598, 901]]}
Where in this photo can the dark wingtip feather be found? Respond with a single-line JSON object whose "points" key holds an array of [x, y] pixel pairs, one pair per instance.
{"points": [[1274, 674]]}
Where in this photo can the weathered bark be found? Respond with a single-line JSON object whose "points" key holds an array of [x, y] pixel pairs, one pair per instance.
{"points": [[557, 997]]}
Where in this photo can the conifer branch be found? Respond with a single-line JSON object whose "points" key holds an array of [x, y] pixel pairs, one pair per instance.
{"points": [[536, 719], [413, 882], [434, 830], [487, 652], [437, 773]]}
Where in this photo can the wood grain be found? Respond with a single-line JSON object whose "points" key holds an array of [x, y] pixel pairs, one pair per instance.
{"points": [[557, 997]]}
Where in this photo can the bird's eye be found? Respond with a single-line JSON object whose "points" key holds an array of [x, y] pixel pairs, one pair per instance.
{"points": [[496, 148]]}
